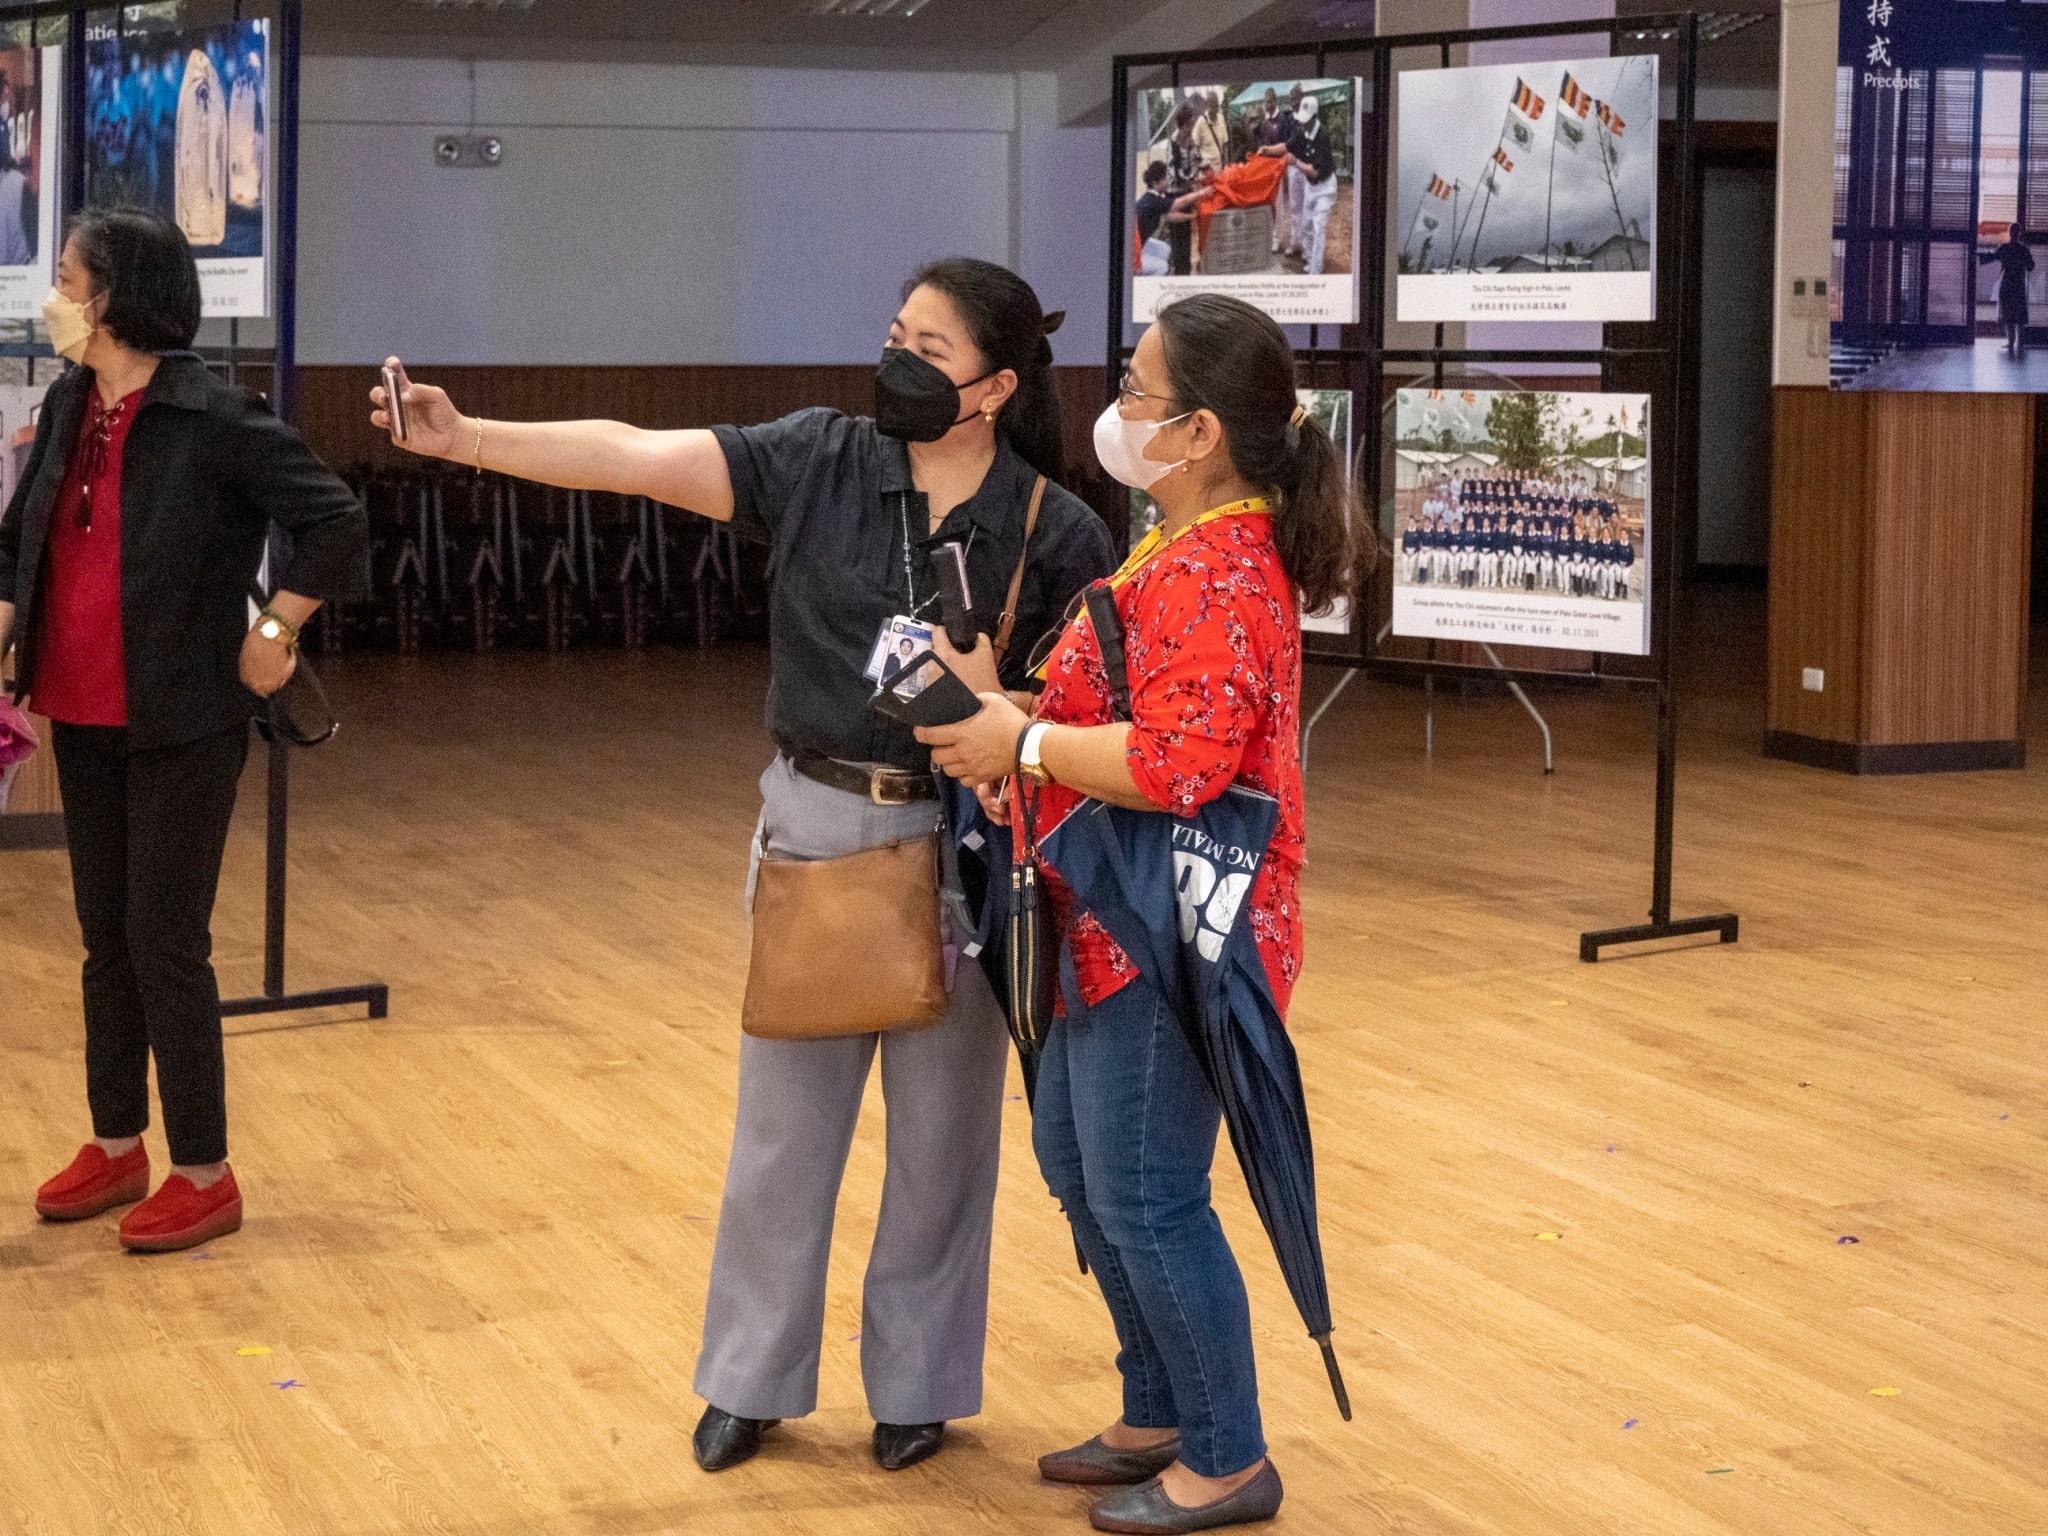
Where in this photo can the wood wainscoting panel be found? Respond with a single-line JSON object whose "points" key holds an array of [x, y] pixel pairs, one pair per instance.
{"points": [[1817, 556], [1948, 507], [334, 406]]}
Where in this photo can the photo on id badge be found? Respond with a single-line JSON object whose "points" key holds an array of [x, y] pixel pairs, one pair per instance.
{"points": [[901, 641]]}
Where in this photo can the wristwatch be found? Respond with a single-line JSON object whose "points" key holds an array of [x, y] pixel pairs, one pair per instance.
{"points": [[1027, 753], [272, 626]]}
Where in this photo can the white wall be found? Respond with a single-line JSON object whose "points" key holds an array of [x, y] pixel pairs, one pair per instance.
{"points": [[652, 214]]}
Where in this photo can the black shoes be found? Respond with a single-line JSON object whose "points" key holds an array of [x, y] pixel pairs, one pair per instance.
{"points": [[1093, 1463], [904, 1445], [725, 1440], [1146, 1510]]}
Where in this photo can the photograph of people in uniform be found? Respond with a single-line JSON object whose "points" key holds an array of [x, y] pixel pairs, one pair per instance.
{"points": [[1530, 510]]}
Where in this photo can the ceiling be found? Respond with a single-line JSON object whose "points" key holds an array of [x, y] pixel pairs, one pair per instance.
{"points": [[981, 35], [999, 35]]}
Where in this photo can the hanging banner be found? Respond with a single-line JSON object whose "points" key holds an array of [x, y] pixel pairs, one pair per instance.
{"points": [[178, 121], [1527, 191], [31, 107], [1249, 189], [1940, 220], [1522, 519]]}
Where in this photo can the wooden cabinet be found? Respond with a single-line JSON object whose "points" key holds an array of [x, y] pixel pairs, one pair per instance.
{"points": [[1900, 526]]}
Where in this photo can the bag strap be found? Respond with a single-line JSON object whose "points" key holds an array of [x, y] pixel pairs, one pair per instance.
{"points": [[1109, 636], [1009, 620]]}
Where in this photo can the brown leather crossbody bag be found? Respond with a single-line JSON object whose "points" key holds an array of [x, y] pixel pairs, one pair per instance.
{"points": [[855, 944]]}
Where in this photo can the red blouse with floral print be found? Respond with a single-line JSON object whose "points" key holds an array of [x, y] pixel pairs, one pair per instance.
{"points": [[1213, 646]]}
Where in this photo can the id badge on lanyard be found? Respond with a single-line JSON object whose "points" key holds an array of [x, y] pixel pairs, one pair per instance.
{"points": [[907, 634]]}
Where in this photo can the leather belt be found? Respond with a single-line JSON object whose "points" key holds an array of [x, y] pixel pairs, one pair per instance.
{"points": [[884, 786]]}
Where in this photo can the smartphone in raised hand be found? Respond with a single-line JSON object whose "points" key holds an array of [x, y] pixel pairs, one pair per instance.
{"points": [[394, 402]]}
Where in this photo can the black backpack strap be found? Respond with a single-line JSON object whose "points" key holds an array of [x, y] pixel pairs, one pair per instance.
{"points": [[1109, 635]]}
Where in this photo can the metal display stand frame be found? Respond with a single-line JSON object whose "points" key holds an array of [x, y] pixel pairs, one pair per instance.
{"points": [[281, 359], [1361, 364]]}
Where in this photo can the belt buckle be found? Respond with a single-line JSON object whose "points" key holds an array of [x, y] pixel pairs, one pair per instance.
{"points": [[891, 786]]}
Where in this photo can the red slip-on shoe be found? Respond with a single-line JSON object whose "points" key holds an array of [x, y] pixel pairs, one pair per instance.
{"points": [[95, 1182], [179, 1216]]}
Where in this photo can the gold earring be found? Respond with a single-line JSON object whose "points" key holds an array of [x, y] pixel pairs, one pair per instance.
{"points": [[988, 415]]}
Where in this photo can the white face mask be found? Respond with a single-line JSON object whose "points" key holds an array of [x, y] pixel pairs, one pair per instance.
{"points": [[1120, 445], [70, 324]]}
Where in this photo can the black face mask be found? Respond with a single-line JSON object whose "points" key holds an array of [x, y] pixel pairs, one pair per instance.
{"points": [[914, 401]]}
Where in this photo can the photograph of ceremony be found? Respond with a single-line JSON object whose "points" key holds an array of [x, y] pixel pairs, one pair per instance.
{"points": [[1527, 191], [1247, 189], [1522, 518]]}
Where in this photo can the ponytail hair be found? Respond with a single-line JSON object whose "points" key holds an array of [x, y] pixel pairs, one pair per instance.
{"points": [[1224, 356], [1010, 330]]}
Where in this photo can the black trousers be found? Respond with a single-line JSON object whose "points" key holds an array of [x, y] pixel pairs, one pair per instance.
{"points": [[147, 831]]}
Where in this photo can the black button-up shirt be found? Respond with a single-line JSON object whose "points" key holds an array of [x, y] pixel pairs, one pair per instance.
{"points": [[835, 499]]}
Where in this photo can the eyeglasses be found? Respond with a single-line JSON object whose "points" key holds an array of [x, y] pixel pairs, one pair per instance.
{"points": [[1126, 390], [1041, 653]]}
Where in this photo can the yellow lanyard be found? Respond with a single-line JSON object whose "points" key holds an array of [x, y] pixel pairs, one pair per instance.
{"points": [[1155, 541], [1149, 548]]}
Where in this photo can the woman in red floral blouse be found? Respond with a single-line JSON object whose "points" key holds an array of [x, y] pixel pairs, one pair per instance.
{"points": [[1254, 533]]}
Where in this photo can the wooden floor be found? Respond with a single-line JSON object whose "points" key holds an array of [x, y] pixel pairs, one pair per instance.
{"points": [[478, 1232]]}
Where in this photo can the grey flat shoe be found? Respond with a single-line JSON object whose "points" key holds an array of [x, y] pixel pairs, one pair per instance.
{"points": [[1147, 1511], [1092, 1463]]}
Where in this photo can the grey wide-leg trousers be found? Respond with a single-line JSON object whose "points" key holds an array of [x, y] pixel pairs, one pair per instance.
{"points": [[925, 1301]]}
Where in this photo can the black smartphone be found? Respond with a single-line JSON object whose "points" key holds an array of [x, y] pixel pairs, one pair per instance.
{"points": [[394, 403], [926, 692], [956, 599]]}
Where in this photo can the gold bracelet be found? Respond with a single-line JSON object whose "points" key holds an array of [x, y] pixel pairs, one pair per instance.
{"points": [[479, 446]]}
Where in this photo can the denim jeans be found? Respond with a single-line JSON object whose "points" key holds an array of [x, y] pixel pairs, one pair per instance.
{"points": [[1125, 1128]]}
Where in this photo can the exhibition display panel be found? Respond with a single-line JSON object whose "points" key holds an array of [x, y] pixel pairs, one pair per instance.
{"points": [[1511, 515]]}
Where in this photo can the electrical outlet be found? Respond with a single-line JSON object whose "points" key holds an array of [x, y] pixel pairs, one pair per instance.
{"points": [[1813, 679], [469, 151]]}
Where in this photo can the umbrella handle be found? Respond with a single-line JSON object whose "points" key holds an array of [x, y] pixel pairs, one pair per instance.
{"points": [[1336, 1376]]}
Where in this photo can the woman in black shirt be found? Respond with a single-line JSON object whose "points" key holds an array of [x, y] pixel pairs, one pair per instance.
{"points": [[966, 430], [2015, 260]]}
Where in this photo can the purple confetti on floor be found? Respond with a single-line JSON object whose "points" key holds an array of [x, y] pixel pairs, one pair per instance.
{"points": [[286, 1386], [1012, 1098], [2005, 1117], [200, 1258], [853, 1338], [1610, 1149], [1631, 1424], [1842, 1240]]}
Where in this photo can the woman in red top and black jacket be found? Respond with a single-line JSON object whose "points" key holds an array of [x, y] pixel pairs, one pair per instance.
{"points": [[126, 559], [1255, 532]]}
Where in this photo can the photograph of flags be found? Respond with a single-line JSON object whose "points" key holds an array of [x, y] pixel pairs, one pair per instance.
{"points": [[1578, 221]]}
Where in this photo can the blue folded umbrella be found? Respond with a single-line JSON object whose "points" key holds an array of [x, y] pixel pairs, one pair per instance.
{"points": [[1171, 890]]}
